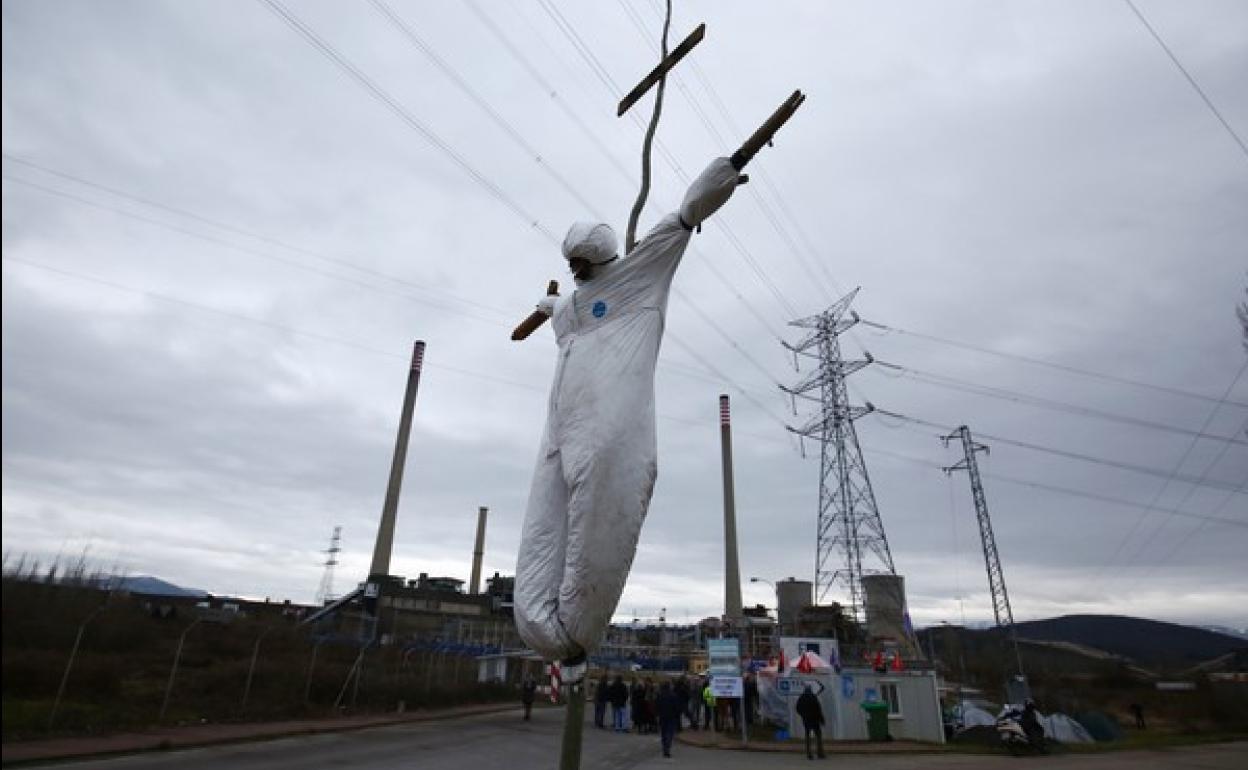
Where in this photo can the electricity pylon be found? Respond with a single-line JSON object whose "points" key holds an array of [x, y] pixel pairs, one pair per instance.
{"points": [[849, 530], [992, 560], [325, 593]]}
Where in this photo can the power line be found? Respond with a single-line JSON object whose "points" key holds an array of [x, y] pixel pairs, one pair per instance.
{"points": [[1067, 490], [784, 232], [548, 88], [231, 228], [224, 226], [940, 380], [587, 54], [1051, 364], [1180, 544], [1191, 80], [390, 103], [1175, 475], [412, 37], [378, 93], [1070, 455], [170, 299], [244, 249]]}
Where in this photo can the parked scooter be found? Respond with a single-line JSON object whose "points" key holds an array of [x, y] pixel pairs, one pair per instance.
{"points": [[1015, 738]]}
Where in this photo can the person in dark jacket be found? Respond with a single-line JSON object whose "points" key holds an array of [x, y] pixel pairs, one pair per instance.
{"points": [[681, 691], [751, 700], [811, 712], [694, 705], [1030, 722], [618, 697], [667, 704], [637, 706], [528, 693], [601, 695]]}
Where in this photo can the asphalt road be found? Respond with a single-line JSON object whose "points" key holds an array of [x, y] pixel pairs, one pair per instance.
{"points": [[505, 742]]}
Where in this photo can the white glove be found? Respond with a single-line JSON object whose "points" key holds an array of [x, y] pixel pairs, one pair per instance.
{"points": [[709, 191], [547, 306]]}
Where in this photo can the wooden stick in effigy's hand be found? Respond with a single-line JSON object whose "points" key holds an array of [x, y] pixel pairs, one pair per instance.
{"points": [[536, 318], [766, 131]]}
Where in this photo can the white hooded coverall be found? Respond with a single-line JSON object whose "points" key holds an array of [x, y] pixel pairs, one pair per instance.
{"points": [[598, 459]]}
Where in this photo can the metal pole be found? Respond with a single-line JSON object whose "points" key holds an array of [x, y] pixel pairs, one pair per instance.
{"points": [[251, 670], [354, 668], [174, 670], [60, 691], [307, 688], [573, 726]]}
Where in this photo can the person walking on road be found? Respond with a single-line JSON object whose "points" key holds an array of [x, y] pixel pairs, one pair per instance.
{"points": [[618, 697], [694, 704], [667, 704], [528, 693], [601, 695], [811, 712]]}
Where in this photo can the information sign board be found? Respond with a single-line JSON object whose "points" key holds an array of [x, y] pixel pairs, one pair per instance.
{"points": [[723, 657], [727, 687]]}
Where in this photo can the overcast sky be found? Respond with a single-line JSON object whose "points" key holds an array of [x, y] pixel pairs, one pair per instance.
{"points": [[221, 240]]}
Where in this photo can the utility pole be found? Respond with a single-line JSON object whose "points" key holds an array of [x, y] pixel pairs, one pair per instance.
{"points": [[992, 560], [849, 526]]}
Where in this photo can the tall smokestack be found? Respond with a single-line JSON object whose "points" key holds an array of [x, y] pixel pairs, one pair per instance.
{"points": [[390, 509], [474, 585], [732, 573]]}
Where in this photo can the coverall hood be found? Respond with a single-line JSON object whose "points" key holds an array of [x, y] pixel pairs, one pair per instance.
{"points": [[593, 242]]}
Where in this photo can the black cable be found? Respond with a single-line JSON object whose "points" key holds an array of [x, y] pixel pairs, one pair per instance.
{"points": [[438, 292], [1070, 455], [388, 101], [1065, 490], [1191, 80], [245, 250], [944, 381], [1051, 364]]}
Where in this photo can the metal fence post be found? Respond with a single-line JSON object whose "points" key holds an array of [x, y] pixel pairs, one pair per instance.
{"points": [[307, 688], [60, 691], [255, 652], [174, 670]]}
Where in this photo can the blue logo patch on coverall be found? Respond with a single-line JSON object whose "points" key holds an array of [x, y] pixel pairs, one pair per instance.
{"points": [[599, 309]]}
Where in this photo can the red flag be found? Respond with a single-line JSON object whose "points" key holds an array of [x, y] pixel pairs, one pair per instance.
{"points": [[897, 662], [780, 665], [804, 665]]}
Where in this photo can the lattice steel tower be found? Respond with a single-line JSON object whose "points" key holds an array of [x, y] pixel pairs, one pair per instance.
{"points": [[326, 591], [992, 561], [850, 541]]}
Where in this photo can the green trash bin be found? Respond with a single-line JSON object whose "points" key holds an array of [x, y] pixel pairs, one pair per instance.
{"points": [[877, 720]]}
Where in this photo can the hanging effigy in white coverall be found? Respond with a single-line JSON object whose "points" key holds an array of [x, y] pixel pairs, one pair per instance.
{"points": [[598, 460]]}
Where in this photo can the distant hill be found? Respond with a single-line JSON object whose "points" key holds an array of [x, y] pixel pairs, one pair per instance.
{"points": [[1147, 642], [1238, 633], [146, 584]]}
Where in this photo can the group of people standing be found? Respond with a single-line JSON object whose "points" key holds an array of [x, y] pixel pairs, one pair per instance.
{"points": [[666, 708], [663, 709]]}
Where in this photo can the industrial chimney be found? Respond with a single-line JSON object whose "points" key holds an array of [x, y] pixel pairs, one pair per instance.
{"points": [[732, 573], [474, 585], [390, 509]]}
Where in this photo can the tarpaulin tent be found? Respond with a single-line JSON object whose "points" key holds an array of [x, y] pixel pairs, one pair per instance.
{"points": [[1062, 728], [809, 661]]}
